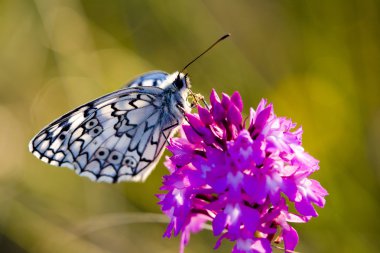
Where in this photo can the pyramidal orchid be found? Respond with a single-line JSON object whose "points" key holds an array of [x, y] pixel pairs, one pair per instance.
{"points": [[241, 176]]}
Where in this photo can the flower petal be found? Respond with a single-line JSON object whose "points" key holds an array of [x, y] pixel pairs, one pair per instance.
{"points": [[219, 223], [205, 116], [237, 101], [234, 115], [290, 238]]}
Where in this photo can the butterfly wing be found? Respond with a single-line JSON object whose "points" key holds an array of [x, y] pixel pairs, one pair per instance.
{"points": [[153, 78], [118, 137]]}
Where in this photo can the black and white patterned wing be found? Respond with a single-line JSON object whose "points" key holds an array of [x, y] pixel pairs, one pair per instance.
{"points": [[118, 137], [153, 78]]}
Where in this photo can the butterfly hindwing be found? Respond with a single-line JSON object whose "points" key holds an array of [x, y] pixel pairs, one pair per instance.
{"points": [[118, 137]]}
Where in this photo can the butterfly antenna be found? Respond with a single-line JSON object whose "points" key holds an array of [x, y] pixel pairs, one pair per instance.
{"points": [[208, 49]]}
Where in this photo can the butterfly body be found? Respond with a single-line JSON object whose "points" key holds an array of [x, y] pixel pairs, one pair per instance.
{"points": [[120, 136]]}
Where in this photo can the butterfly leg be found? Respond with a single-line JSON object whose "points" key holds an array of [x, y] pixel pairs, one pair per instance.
{"points": [[168, 128], [180, 108], [184, 115], [205, 103]]}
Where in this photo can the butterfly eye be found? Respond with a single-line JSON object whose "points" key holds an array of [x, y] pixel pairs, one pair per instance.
{"points": [[178, 83], [102, 153]]}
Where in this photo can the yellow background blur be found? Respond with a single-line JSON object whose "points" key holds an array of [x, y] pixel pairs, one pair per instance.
{"points": [[318, 61]]}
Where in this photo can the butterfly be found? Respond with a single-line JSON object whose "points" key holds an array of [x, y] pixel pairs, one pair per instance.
{"points": [[122, 135]]}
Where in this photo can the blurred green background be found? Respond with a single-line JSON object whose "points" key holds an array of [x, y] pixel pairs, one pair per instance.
{"points": [[317, 61]]}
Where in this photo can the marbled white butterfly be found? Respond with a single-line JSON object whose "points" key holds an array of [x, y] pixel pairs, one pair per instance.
{"points": [[120, 136]]}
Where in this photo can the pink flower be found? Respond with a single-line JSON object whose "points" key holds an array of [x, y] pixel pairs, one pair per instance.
{"points": [[240, 179]]}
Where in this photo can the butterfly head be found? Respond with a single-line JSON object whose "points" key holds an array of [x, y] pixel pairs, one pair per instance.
{"points": [[181, 81]]}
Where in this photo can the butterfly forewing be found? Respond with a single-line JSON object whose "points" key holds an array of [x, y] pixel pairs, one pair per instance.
{"points": [[153, 78], [118, 137]]}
